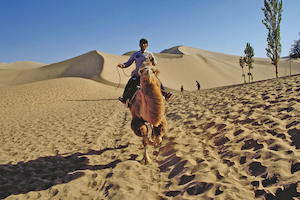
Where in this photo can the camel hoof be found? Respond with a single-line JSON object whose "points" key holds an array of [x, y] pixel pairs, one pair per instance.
{"points": [[146, 160], [157, 141]]}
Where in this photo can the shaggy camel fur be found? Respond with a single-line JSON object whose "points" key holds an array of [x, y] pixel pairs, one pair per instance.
{"points": [[148, 107]]}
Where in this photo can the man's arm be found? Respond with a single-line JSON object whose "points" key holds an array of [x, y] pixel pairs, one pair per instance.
{"points": [[129, 62], [152, 59]]}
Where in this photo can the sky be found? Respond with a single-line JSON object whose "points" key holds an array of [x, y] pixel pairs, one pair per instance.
{"points": [[50, 31]]}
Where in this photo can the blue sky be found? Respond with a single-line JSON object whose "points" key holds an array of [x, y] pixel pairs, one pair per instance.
{"points": [[49, 31]]}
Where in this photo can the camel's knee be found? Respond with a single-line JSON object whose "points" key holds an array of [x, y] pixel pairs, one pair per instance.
{"points": [[160, 130], [143, 131], [139, 127]]}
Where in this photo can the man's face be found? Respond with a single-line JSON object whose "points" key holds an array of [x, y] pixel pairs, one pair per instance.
{"points": [[143, 46]]}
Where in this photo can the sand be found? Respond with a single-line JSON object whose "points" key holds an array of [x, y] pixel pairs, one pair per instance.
{"points": [[64, 134]]}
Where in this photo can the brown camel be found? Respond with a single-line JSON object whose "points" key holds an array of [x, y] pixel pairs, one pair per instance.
{"points": [[148, 107]]}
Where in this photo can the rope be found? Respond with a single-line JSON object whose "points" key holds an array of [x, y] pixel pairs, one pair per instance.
{"points": [[120, 76]]}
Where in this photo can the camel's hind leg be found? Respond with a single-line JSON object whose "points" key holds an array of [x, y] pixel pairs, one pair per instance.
{"points": [[141, 130]]}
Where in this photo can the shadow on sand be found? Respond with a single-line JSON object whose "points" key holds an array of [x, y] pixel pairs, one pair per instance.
{"points": [[45, 172]]}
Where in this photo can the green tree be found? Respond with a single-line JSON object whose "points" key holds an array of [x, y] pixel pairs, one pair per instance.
{"points": [[272, 12], [295, 50], [242, 64], [248, 60], [249, 52]]}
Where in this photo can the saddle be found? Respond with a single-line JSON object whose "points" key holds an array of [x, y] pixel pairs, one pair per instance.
{"points": [[130, 100]]}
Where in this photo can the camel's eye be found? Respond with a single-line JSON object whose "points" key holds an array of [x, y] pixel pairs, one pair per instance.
{"points": [[141, 71]]}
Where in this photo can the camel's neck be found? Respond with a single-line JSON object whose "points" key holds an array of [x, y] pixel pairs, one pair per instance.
{"points": [[152, 92], [153, 106], [151, 88]]}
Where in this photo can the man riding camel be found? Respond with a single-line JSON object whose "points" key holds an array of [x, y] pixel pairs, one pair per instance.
{"points": [[139, 57]]}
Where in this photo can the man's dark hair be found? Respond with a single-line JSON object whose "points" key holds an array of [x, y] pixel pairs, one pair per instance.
{"points": [[143, 41]]}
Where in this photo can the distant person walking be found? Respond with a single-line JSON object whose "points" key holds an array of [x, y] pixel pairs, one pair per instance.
{"points": [[181, 88], [198, 85]]}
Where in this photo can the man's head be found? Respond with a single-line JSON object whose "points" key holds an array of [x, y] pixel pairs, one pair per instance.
{"points": [[143, 44]]}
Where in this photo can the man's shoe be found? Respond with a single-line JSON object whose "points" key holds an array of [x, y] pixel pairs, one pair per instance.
{"points": [[167, 96], [122, 100]]}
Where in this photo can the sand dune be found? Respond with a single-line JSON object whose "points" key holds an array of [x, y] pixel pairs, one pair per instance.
{"points": [[21, 65], [64, 134], [178, 66]]}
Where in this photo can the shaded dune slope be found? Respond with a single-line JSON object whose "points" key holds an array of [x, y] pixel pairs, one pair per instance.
{"points": [[87, 66]]}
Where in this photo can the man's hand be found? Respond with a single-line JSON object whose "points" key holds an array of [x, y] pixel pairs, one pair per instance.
{"points": [[120, 65]]}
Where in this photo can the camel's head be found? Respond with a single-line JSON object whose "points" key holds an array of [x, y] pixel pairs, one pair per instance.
{"points": [[147, 69]]}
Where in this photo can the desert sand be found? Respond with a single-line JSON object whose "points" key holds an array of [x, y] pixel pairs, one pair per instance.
{"points": [[64, 134]]}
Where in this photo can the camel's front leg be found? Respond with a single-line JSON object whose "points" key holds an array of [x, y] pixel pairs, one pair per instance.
{"points": [[156, 138], [146, 159], [158, 132], [141, 130]]}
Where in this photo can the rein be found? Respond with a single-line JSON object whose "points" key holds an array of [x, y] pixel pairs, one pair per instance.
{"points": [[120, 76]]}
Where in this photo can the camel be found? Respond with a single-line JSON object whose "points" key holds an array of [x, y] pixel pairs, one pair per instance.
{"points": [[148, 108]]}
